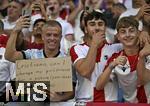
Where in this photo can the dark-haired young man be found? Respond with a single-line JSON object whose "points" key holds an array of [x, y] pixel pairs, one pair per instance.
{"points": [[36, 41], [90, 57]]}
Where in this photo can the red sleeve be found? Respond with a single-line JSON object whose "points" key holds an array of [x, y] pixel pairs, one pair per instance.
{"points": [[73, 54], [3, 40]]}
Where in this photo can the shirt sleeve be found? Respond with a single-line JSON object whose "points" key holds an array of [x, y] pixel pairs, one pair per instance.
{"points": [[27, 54], [76, 53]]}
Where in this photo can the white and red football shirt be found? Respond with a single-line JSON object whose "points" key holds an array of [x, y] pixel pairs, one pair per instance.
{"points": [[80, 51], [128, 83]]}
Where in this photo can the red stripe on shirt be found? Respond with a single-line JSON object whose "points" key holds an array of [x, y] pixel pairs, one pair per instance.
{"points": [[73, 54], [141, 95], [99, 95], [133, 60], [99, 51]]}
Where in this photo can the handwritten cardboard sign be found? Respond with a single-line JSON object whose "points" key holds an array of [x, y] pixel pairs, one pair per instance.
{"points": [[56, 70]]}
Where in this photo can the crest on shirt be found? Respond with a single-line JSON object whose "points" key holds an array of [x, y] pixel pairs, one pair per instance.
{"points": [[106, 57]]}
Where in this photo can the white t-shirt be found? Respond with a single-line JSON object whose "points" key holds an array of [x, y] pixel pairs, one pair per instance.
{"points": [[7, 70], [128, 81], [8, 25], [66, 30]]}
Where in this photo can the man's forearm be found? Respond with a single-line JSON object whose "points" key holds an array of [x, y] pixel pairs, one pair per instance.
{"points": [[147, 76], [104, 77], [88, 64], [11, 46], [141, 70]]}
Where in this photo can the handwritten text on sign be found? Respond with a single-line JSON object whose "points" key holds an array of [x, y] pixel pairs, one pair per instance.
{"points": [[56, 70]]}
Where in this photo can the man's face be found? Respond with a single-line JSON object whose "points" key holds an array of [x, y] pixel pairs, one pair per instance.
{"points": [[128, 36], [37, 30], [94, 26], [138, 3], [54, 6], [52, 37], [14, 10]]}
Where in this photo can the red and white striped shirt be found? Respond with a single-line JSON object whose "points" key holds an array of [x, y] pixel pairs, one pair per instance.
{"points": [[80, 51], [128, 82]]}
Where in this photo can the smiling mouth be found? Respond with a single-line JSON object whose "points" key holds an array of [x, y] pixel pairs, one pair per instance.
{"points": [[51, 42], [128, 39]]}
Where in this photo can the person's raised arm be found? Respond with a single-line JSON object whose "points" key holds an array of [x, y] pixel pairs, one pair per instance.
{"points": [[11, 53], [85, 66], [105, 76], [142, 72], [72, 16], [143, 11]]}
